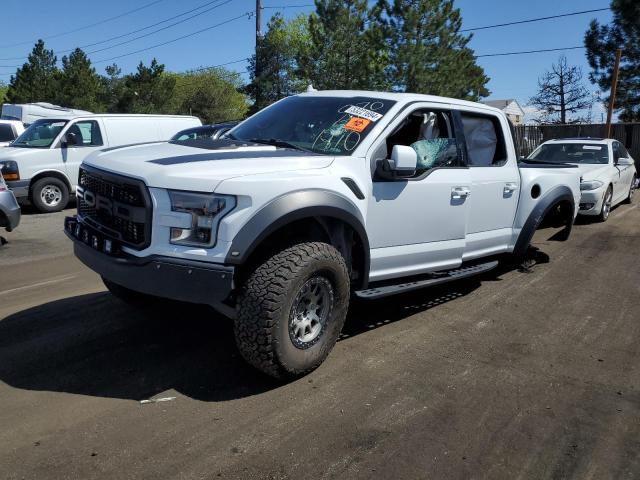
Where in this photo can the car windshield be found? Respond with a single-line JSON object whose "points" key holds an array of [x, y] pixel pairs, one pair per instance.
{"points": [[193, 134], [40, 134], [571, 153], [325, 125]]}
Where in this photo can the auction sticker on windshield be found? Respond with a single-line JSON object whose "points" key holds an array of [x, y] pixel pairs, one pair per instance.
{"points": [[363, 113], [357, 124]]}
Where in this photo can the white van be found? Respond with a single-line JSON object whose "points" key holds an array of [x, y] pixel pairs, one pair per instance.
{"points": [[42, 164], [27, 113]]}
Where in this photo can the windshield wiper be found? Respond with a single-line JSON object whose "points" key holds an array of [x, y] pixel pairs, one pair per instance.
{"points": [[277, 143]]}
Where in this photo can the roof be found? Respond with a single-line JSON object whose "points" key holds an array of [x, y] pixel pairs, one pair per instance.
{"points": [[509, 105], [582, 139], [396, 96]]}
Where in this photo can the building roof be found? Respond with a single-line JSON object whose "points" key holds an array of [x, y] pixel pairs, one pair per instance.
{"points": [[509, 106]]}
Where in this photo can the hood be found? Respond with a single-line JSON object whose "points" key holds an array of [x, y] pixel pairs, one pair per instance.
{"points": [[12, 153], [202, 167], [592, 171]]}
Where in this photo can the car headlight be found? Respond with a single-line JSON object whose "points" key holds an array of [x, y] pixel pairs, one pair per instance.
{"points": [[9, 170], [206, 211], [590, 184]]}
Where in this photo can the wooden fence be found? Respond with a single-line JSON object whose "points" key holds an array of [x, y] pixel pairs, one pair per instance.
{"points": [[528, 137]]}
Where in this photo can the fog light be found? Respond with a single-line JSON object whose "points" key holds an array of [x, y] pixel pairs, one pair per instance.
{"points": [[586, 206], [107, 246], [94, 242]]}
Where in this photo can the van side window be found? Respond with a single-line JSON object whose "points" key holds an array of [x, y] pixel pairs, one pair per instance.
{"points": [[87, 132], [6, 133], [485, 141], [430, 134]]}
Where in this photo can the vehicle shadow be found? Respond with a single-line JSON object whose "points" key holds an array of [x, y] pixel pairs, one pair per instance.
{"points": [[96, 345]]}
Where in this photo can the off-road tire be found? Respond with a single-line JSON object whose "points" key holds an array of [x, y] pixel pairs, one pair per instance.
{"points": [[54, 183], [604, 212], [265, 304], [130, 297], [629, 198]]}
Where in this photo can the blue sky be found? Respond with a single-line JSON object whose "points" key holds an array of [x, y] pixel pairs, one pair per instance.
{"points": [[511, 77]]}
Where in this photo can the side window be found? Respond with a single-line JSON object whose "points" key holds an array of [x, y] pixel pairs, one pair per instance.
{"points": [[6, 133], [430, 134], [87, 133], [485, 140]]}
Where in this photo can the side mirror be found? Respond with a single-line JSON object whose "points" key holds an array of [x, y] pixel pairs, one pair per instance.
{"points": [[70, 139], [624, 161], [402, 164]]}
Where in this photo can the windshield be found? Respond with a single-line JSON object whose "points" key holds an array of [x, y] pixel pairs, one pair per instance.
{"points": [[193, 134], [40, 134], [571, 153], [326, 125]]}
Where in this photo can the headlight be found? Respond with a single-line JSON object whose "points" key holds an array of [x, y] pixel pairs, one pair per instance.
{"points": [[9, 170], [590, 185], [206, 211]]}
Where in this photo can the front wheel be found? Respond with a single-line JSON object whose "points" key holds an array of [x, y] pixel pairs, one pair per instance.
{"points": [[632, 189], [292, 308], [606, 205], [49, 195]]}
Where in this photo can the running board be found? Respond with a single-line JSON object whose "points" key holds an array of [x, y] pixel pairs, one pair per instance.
{"points": [[442, 277]]}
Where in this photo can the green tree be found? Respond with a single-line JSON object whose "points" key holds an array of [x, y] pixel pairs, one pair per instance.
{"points": [[346, 49], [602, 41], [36, 80], [79, 84], [149, 90], [273, 70], [428, 53], [3, 91], [112, 89], [212, 94]]}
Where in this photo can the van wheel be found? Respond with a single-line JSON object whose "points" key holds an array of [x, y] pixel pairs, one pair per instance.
{"points": [[606, 205], [131, 297], [49, 194], [292, 308]]}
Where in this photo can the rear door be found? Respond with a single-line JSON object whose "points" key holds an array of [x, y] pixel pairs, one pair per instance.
{"points": [[495, 182]]}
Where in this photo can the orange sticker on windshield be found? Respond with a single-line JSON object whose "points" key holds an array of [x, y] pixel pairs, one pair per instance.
{"points": [[357, 124]]}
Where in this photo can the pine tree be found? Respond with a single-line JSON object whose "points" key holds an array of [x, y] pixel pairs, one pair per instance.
{"points": [[79, 84], [428, 53], [561, 93], [347, 49], [273, 69], [602, 41], [36, 80], [148, 90]]}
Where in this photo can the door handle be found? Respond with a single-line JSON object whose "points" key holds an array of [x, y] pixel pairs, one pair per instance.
{"points": [[460, 192], [510, 187]]}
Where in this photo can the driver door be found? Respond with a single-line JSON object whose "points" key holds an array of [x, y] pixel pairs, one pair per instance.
{"points": [[88, 139], [417, 224]]}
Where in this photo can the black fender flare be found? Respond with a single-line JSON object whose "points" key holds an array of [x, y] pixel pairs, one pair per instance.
{"points": [[552, 197], [297, 206]]}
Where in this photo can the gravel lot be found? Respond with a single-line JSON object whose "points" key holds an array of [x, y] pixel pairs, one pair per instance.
{"points": [[511, 375]]}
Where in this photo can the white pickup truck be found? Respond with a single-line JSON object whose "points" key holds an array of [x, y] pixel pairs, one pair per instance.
{"points": [[317, 197]]}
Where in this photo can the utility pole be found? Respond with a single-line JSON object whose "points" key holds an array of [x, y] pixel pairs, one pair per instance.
{"points": [[258, 10], [614, 87]]}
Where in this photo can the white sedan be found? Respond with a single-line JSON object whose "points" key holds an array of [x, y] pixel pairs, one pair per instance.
{"points": [[9, 131], [608, 174]]}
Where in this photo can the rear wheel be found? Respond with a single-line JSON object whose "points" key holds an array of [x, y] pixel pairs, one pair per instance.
{"points": [[49, 194], [632, 189], [606, 205], [292, 308]]}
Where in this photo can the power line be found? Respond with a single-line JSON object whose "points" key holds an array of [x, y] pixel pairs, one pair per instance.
{"points": [[160, 29], [58, 52], [526, 52], [88, 26], [182, 37], [530, 20], [282, 7]]}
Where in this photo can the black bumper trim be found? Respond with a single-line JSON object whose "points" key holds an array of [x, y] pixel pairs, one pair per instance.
{"points": [[173, 278]]}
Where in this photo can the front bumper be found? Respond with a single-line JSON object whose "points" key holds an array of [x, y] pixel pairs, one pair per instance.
{"points": [[9, 211], [591, 201], [166, 277], [20, 189]]}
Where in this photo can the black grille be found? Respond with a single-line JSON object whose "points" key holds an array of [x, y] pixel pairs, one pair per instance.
{"points": [[118, 206]]}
